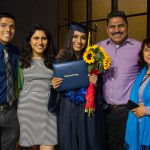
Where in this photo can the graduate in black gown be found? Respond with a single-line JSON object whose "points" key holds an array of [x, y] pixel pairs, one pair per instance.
{"points": [[76, 130]]}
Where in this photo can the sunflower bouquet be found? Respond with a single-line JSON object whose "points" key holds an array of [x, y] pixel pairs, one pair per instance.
{"points": [[97, 61]]}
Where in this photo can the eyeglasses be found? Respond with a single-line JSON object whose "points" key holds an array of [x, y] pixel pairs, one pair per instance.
{"points": [[146, 49]]}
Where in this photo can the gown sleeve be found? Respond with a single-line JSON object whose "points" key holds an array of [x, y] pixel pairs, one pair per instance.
{"points": [[54, 101], [99, 93]]}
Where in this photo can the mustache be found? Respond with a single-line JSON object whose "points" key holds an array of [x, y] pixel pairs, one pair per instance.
{"points": [[117, 33]]}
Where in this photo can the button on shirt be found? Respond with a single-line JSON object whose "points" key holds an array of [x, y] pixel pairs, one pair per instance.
{"points": [[13, 54], [119, 79]]}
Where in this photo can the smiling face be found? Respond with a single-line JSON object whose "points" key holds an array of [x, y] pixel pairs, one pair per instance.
{"points": [[7, 30], [78, 41], [117, 30], [146, 54], [38, 43]]}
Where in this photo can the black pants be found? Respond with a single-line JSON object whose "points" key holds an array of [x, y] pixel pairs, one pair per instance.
{"points": [[115, 128], [9, 129]]}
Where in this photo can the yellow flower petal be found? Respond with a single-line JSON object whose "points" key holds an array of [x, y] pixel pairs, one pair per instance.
{"points": [[88, 57]]}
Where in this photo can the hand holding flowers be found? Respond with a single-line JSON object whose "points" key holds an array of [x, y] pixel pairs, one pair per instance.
{"points": [[97, 61]]}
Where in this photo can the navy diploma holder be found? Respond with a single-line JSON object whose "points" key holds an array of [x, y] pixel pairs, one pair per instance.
{"points": [[74, 74]]}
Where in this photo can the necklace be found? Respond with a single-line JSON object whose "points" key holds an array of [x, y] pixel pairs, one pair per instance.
{"points": [[148, 75]]}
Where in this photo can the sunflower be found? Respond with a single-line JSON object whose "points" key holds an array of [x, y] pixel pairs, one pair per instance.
{"points": [[106, 62], [102, 50], [88, 57], [95, 46]]}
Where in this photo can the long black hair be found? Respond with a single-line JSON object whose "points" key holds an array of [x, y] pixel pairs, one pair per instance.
{"points": [[69, 53], [48, 54]]}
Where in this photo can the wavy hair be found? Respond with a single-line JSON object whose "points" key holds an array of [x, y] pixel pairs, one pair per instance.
{"points": [[141, 61], [48, 54]]}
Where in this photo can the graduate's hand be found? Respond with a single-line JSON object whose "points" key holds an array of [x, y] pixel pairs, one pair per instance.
{"points": [[139, 111], [56, 82], [93, 79]]}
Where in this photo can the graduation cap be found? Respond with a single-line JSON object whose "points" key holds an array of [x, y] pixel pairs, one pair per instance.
{"points": [[78, 26]]}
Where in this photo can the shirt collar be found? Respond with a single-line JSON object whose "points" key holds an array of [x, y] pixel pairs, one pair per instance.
{"points": [[128, 40], [1, 46]]}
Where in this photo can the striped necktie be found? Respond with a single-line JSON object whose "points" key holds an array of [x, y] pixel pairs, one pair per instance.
{"points": [[9, 73]]}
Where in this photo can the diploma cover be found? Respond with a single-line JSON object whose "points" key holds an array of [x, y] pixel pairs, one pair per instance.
{"points": [[74, 74]]}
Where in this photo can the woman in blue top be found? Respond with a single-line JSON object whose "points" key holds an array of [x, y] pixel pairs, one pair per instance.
{"points": [[138, 124], [76, 131]]}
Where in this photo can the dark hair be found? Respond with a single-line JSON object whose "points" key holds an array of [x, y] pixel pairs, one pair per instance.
{"points": [[48, 54], [114, 14], [7, 15], [69, 53], [141, 61]]}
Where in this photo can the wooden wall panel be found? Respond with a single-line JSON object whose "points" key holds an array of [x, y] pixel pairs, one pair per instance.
{"points": [[137, 24], [77, 13], [137, 27], [79, 10], [100, 8], [63, 13], [62, 36], [132, 6], [101, 32]]}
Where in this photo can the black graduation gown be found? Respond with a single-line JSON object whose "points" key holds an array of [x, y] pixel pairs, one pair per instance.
{"points": [[76, 131]]}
